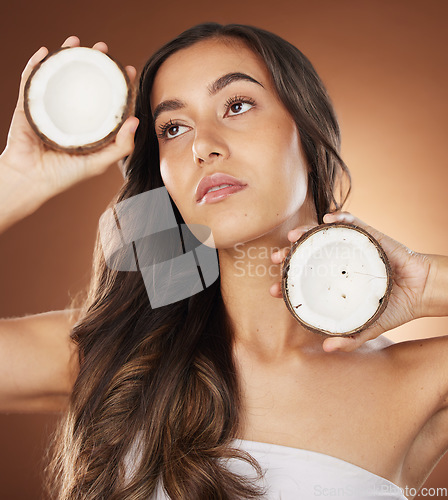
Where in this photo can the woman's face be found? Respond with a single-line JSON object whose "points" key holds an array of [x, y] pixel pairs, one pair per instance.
{"points": [[216, 111]]}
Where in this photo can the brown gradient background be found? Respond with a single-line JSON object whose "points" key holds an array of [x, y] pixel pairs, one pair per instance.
{"points": [[384, 63]]}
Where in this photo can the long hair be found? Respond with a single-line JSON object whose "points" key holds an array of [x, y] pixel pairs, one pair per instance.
{"points": [[160, 385]]}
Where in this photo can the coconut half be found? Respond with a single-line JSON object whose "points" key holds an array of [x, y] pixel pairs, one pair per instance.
{"points": [[77, 98], [336, 279]]}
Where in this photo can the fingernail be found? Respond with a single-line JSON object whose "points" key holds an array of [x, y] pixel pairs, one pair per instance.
{"points": [[346, 217], [134, 125], [339, 217]]}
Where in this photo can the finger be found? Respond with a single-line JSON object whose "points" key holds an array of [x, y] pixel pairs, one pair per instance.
{"points": [[37, 57], [346, 344], [121, 147], [340, 217], [348, 218], [132, 73], [278, 256], [276, 290], [101, 46], [34, 60], [388, 244], [296, 233], [125, 136], [352, 342], [72, 41], [124, 141]]}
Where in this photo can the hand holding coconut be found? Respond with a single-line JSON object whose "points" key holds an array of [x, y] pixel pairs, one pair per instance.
{"points": [[405, 295], [32, 172]]}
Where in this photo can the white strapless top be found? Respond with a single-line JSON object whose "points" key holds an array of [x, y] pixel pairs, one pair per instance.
{"points": [[296, 474]]}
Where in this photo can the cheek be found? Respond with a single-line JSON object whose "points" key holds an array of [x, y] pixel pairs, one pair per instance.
{"points": [[169, 180], [286, 161], [167, 172], [164, 165], [175, 184]]}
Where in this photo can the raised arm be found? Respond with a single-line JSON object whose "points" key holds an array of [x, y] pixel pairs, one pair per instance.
{"points": [[31, 173], [38, 360], [435, 297]]}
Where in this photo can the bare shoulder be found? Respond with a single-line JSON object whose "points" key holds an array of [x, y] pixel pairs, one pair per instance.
{"points": [[38, 361], [419, 354], [418, 374], [422, 366], [55, 320], [425, 360], [419, 368], [430, 354]]}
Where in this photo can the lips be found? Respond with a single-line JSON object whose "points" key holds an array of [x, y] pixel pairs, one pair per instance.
{"points": [[215, 180]]}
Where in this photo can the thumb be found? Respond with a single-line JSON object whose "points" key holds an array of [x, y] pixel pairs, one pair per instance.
{"points": [[124, 142], [352, 342], [122, 146], [389, 245]]}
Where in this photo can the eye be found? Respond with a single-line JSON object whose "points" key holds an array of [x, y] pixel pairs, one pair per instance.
{"points": [[171, 130], [238, 105]]}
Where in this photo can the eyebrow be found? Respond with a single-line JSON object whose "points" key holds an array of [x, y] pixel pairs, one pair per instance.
{"points": [[214, 88]]}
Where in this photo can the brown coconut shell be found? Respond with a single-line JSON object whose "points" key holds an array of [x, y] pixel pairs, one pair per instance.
{"points": [[86, 148], [382, 302]]}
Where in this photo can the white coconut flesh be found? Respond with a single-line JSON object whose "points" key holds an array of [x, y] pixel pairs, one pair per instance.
{"points": [[336, 280], [77, 97]]}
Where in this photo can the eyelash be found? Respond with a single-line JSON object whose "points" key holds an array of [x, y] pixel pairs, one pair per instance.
{"points": [[229, 103], [238, 99]]}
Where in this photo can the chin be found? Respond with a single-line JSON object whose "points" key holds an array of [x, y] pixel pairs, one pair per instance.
{"points": [[220, 238], [219, 231], [229, 239], [224, 240], [230, 228]]}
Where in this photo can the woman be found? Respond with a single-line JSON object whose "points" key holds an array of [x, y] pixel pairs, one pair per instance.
{"points": [[203, 395]]}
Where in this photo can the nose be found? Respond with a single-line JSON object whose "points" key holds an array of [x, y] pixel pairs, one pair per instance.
{"points": [[209, 145]]}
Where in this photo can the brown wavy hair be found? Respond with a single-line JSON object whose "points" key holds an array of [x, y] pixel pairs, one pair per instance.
{"points": [[164, 379]]}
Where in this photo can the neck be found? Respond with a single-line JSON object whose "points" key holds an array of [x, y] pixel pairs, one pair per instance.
{"points": [[261, 323]]}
